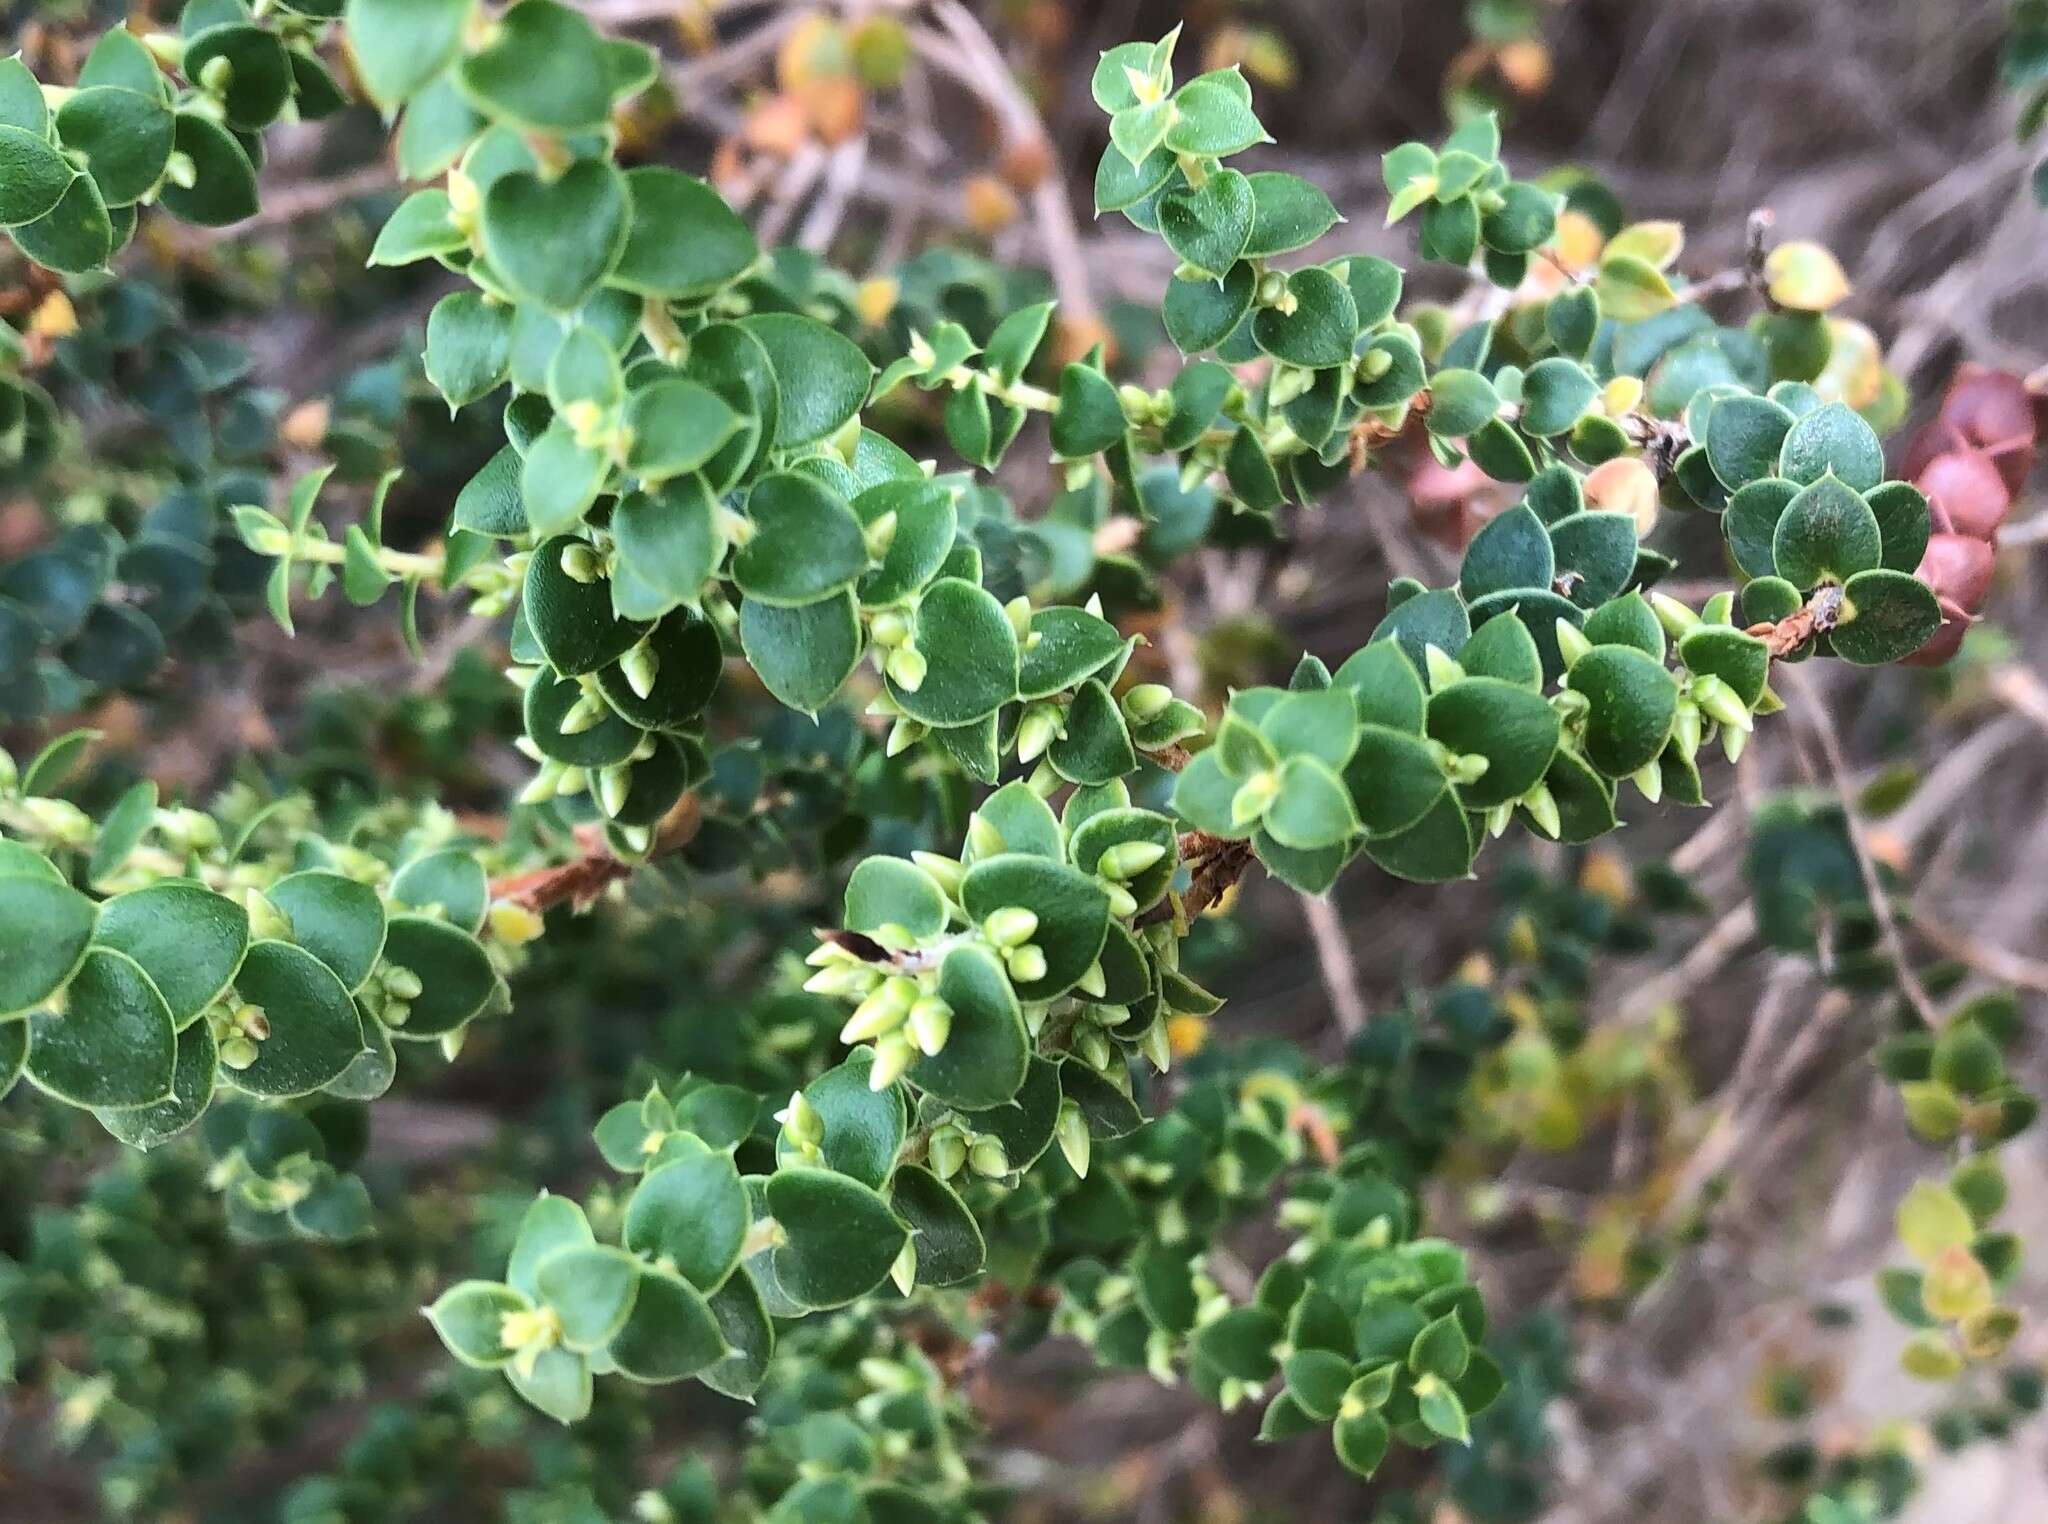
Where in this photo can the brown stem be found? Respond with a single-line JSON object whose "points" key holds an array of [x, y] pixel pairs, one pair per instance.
{"points": [[579, 883]]}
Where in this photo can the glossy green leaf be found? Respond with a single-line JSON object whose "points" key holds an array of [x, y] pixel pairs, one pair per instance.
{"points": [[189, 940], [113, 1044]]}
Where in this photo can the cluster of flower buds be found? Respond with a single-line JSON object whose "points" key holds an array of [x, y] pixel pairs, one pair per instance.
{"points": [[897, 1006], [1972, 462]]}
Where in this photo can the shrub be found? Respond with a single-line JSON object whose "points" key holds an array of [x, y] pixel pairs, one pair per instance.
{"points": [[695, 503]]}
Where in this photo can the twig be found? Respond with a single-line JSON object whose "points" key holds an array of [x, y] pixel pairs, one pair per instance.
{"points": [[1815, 712], [1333, 956], [1986, 958]]}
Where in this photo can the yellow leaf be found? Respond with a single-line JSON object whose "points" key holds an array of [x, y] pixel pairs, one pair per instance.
{"points": [[1933, 1219], [1804, 276], [1657, 244]]}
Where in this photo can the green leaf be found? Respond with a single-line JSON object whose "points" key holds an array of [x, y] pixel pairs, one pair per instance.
{"points": [[1090, 417], [559, 1383], [1555, 394], [1750, 522], [554, 242], [926, 525], [689, 664], [1515, 730], [1209, 226], [1887, 616], [189, 940], [192, 1087], [223, 188], [1512, 550], [1632, 702], [1385, 686], [749, 1338], [950, 1247], [1120, 184], [544, 68], [1932, 1220], [807, 544], [1073, 914], [1361, 1442], [890, 891], [1826, 534], [559, 480], [1213, 117], [314, 1030], [21, 95], [469, 347], [400, 46], [49, 925], [971, 653], [864, 1128], [469, 1317], [671, 1333], [841, 1236], [669, 547], [1441, 1349], [1572, 320], [573, 621], [1200, 314], [1240, 1343], [259, 81], [437, 128], [113, 1045], [1318, 1380], [453, 967], [1460, 402], [1290, 214], [685, 241], [1097, 747], [592, 1289], [803, 655], [33, 177], [1321, 329], [1903, 521], [1832, 440], [490, 502], [451, 879], [1434, 618], [337, 920], [1138, 131], [821, 377], [693, 1213], [550, 1224], [677, 426], [126, 139], [76, 236], [1744, 438], [1393, 779], [1441, 1411], [1024, 821], [1313, 809], [984, 1060]]}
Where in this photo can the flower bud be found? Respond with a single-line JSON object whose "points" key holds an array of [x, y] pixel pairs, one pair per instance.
{"points": [[1442, 670], [613, 785], [983, 839], [1676, 618], [1039, 728], [581, 563], [1018, 611], [1253, 797], [1650, 779], [989, 1157], [800, 1120], [1571, 643], [1026, 964], [1147, 701], [907, 667], [930, 1023], [903, 1271], [946, 1153], [1542, 807], [641, 666], [587, 713], [1126, 860], [238, 1053], [1093, 983], [1072, 1132], [514, 924], [889, 628], [1122, 902], [949, 871], [880, 535], [893, 1055], [903, 735], [1011, 926]]}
